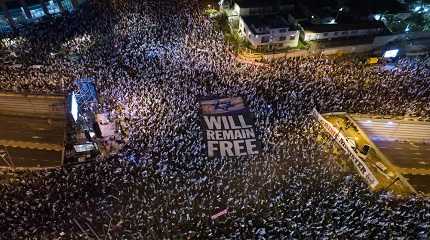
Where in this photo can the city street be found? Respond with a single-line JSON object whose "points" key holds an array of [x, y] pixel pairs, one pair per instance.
{"points": [[387, 177]]}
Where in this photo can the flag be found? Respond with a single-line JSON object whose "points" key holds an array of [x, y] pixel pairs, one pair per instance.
{"points": [[223, 212]]}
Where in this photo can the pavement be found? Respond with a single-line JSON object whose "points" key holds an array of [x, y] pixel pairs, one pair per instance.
{"points": [[404, 143], [30, 129], [32, 142], [395, 130], [420, 182], [385, 178], [25, 158], [406, 154]]}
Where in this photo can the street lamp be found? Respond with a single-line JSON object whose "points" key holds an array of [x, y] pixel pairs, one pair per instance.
{"points": [[407, 29], [391, 53]]}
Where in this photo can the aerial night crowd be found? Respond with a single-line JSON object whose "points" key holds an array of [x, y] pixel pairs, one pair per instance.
{"points": [[152, 61]]}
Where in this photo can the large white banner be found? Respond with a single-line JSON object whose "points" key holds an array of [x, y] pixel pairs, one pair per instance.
{"points": [[343, 142], [228, 127]]}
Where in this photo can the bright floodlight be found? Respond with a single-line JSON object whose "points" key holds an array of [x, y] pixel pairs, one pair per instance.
{"points": [[74, 109], [391, 53], [407, 29]]}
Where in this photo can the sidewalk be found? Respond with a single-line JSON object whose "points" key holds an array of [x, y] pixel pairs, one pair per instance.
{"points": [[255, 58]]}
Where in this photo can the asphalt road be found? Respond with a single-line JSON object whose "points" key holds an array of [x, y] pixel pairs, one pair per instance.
{"points": [[420, 182], [351, 132], [25, 131], [406, 154], [389, 129], [23, 157], [405, 143], [29, 129]]}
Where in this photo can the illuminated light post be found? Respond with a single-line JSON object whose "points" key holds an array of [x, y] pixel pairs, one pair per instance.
{"points": [[391, 53], [407, 29]]}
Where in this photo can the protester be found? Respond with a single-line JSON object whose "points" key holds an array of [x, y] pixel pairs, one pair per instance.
{"points": [[152, 61]]}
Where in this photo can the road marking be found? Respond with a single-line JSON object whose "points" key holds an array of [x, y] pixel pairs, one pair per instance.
{"points": [[413, 144]]}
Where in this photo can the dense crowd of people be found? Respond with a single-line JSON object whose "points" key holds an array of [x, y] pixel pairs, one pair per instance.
{"points": [[152, 60]]}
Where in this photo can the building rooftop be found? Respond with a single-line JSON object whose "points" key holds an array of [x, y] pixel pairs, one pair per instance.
{"points": [[307, 26], [263, 24]]}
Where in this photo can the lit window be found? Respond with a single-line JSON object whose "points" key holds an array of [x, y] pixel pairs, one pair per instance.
{"points": [[264, 39], [53, 7], [36, 11]]}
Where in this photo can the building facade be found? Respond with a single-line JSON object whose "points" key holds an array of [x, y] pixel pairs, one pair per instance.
{"points": [[318, 32], [16, 13], [269, 32]]}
